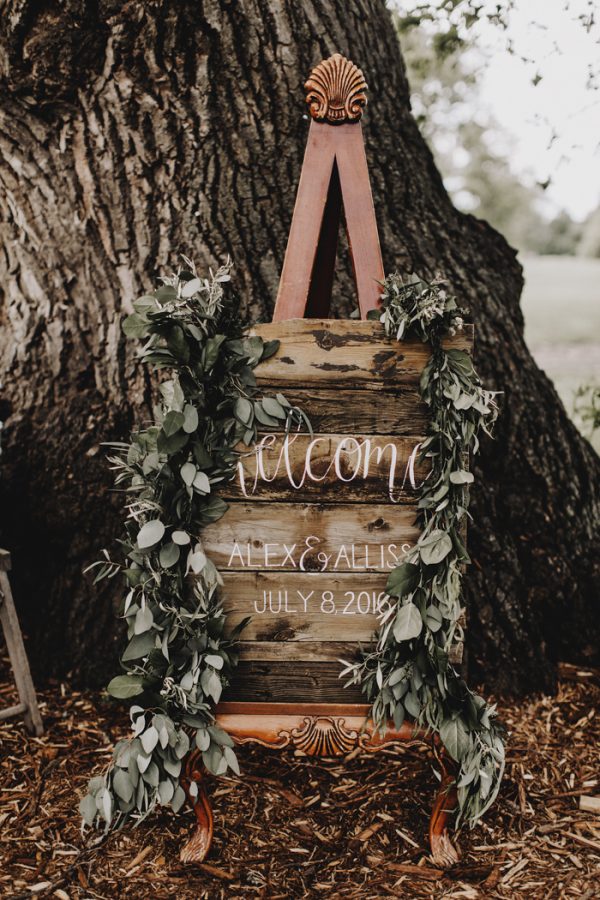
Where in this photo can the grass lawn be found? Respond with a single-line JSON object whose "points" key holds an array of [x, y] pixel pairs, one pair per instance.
{"points": [[561, 305]]}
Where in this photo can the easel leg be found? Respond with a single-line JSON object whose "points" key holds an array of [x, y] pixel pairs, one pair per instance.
{"points": [[18, 657], [443, 851], [198, 845]]}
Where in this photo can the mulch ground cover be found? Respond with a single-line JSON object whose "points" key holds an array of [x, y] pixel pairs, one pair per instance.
{"points": [[298, 827]]}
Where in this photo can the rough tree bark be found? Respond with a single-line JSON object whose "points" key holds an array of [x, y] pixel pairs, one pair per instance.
{"points": [[133, 131]]}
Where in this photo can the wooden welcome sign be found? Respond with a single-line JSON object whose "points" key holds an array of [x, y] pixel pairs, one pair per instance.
{"points": [[318, 520]]}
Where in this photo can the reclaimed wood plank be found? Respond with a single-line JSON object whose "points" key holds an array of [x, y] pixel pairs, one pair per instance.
{"points": [[313, 651], [300, 467], [302, 606], [291, 682], [340, 411], [348, 353], [305, 651], [310, 536]]}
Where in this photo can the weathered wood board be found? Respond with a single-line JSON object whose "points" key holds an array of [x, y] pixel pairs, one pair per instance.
{"points": [[344, 353], [317, 521]]}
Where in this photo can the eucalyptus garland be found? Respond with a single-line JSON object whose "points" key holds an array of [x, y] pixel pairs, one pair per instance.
{"points": [[409, 669], [177, 661]]}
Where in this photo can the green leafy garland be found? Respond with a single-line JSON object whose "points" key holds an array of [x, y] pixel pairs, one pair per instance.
{"points": [[177, 661], [409, 670]]}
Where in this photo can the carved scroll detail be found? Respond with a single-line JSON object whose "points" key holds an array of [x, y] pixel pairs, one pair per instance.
{"points": [[336, 91], [323, 736]]}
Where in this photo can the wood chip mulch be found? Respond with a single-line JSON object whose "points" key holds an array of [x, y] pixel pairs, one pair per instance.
{"points": [[298, 827]]}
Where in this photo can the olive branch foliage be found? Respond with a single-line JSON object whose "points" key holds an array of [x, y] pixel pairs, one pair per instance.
{"points": [[409, 669], [178, 661]]}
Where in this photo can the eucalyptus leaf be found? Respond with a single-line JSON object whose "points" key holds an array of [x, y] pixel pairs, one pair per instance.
{"points": [[125, 686], [408, 623], [150, 534], [435, 547], [169, 554], [190, 418]]}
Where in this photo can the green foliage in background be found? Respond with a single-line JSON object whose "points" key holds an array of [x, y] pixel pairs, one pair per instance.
{"points": [[409, 671]]}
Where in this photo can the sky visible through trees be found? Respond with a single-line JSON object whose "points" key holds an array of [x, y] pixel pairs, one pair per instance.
{"points": [[507, 96]]}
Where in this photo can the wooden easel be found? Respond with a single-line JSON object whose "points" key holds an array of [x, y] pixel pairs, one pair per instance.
{"points": [[28, 705], [334, 175]]}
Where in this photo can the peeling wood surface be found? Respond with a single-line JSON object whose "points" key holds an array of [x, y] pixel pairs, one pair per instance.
{"points": [[398, 411], [347, 353]]}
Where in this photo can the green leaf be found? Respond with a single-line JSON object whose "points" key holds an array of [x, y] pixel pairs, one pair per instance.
{"points": [[180, 537], [435, 547], [149, 739], [398, 715], [433, 618], [243, 411], [150, 534], [269, 349], [177, 343], [87, 808], [178, 799], [135, 326], [202, 739], [461, 476], [211, 350], [144, 620], [201, 483], [263, 417], [404, 579], [273, 408], [122, 785], [231, 759], [190, 418], [173, 422], [220, 736], [455, 738], [188, 473], [125, 686], [169, 554], [166, 791], [165, 293], [190, 288], [408, 623], [173, 767], [215, 661], [197, 561], [139, 645], [412, 705]]}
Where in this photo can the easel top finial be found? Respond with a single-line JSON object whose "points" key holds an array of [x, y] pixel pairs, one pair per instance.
{"points": [[336, 91]]}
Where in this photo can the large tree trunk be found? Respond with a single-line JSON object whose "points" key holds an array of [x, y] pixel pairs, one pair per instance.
{"points": [[131, 132]]}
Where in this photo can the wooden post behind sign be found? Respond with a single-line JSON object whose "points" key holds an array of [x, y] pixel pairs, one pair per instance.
{"points": [[287, 692]]}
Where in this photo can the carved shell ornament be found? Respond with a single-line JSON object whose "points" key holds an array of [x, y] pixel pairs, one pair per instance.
{"points": [[336, 91]]}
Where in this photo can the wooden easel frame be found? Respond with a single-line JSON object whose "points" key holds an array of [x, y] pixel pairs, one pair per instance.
{"points": [[27, 705], [334, 174]]}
